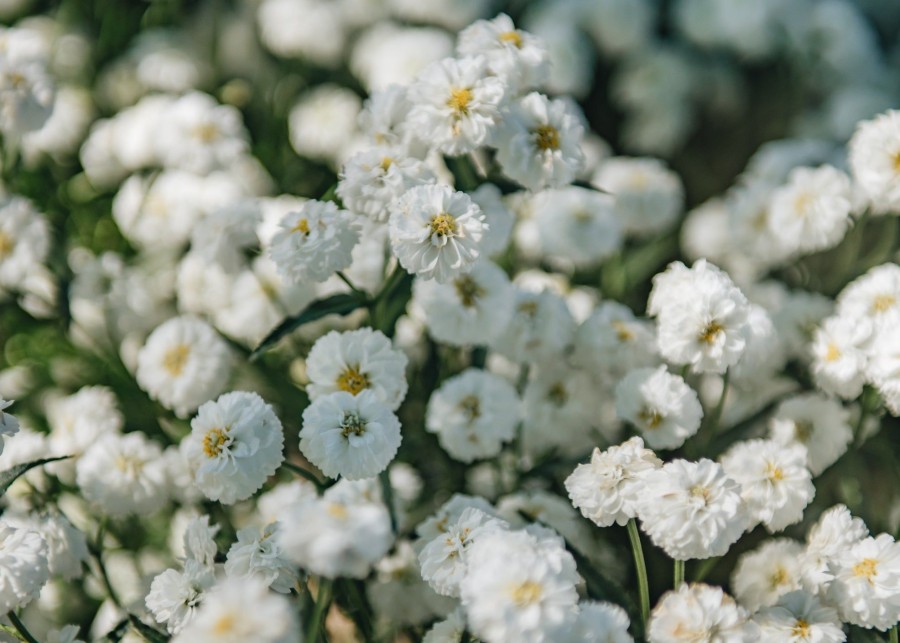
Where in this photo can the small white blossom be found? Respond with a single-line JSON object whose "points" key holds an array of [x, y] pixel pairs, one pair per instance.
{"points": [[661, 405]]}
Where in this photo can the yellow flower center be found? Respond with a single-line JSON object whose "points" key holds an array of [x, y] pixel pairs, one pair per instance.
{"points": [[710, 332], [546, 137], [443, 225], [459, 100], [529, 308], [650, 417], [699, 491], [301, 226], [512, 37], [352, 380], [774, 473], [622, 331], [801, 628], [832, 353], [802, 203], [868, 569], [352, 424], [338, 511], [6, 245], [205, 133], [386, 163], [527, 593], [803, 431], [468, 291], [471, 407], [224, 625], [129, 466], [881, 303], [175, 359], [213, 442], [896, 159], [779, 577]]}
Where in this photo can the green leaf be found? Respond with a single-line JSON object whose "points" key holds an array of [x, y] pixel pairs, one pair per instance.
{"points": [[341, 304], [9, 476], [149, 633]]}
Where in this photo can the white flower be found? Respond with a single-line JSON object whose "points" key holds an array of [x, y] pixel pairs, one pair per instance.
{"points": [[648, 196], [239, 610], [612, 342], [123, 474], [383, 120], [763, 575], [596, 622], [457, 103], [198, 540], [516, 56], [812, 212], [400, 594], [67, 549], [343, 533], [183, 364], [873, 153], [175, 596], [356, 361], [436, 232], [577, 225], [9, 425], [256, 553], [691, 509], [541, 328], [23, 566], [699, 612], [443, 560], [799, 617], [798, 317], [450, 630], [76, 421], [314, 242], [820, 423], [701, 315], [26, 96], [323, 122], [883, 367], [497, 216], [607, 489], [370, 180], [24, 240], [839, 355], [559, 411], [473, 414], [661, 405], [305, 29], [519, 585], [866, 585], [875, 295], [387, 53], [539, 142], [472, 309], [834, 532], [234, 446], [449, 513], [775, 484], [354, 436]]}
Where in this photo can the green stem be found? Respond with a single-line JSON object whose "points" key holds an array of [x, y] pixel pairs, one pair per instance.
{"points": [[21, 629], [97, 551], [387, 491], [679, 573], [304, 473], [350, 284], [323, 600], [860, 425], [705, 568], [640, 567], [390, 283], [894, 638]]}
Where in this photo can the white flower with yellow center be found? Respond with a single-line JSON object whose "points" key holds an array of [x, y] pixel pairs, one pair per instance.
{"points": [[457, 103], [356, 361], [835, 531], [775, 484], [692, 509], [183, 364], [812, 211], [24, 240], [541, 328], [239, 610], [473, 414], [840, 356], [353, 436], [875, 295], [866, 585], [660, 405], [257, 554], [519, 585], [612, 342], [371, 179], [516, 56], [883, 366], [648, 196], [23, 566], [596, 621], [799, 617], [763, 575], [819, 423], [577, 225], [436, 232], [123, 474], [77, 420], [875, 160], [559, 411], [314, 242], [175, 596], [234, 446], [698, 612], [472, 309], [539, 142]]}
